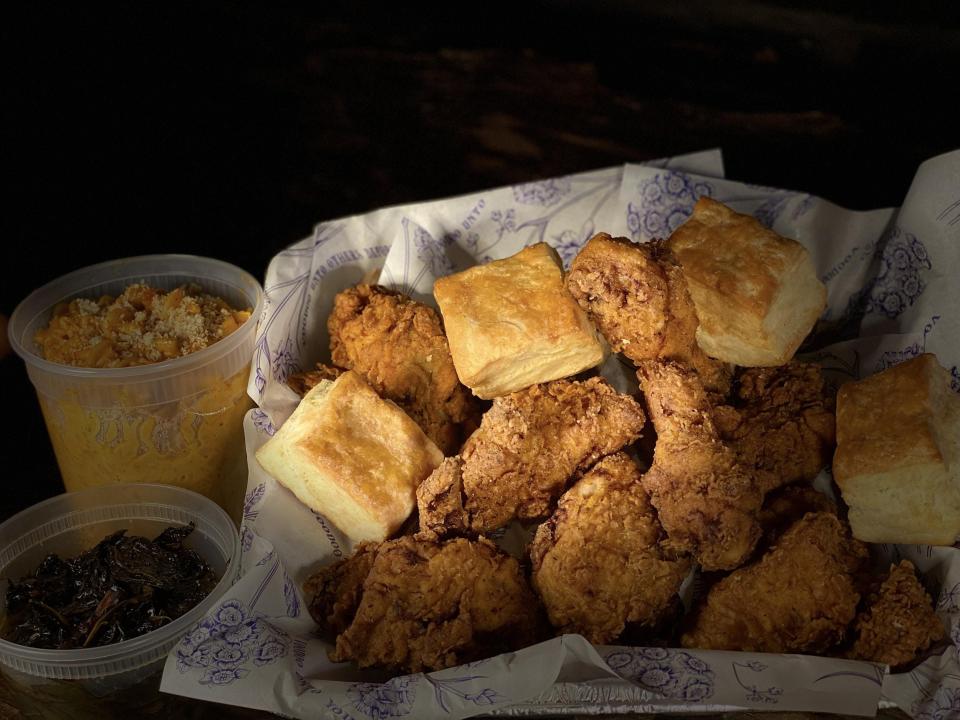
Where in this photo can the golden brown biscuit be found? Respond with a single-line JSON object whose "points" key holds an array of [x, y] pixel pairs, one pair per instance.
{"points": [[757, 294], [511, 324], [898, 454], [351, 456]]}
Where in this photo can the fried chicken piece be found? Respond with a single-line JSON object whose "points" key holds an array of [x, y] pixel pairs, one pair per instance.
{"points": [[800, 597], [785, 506], [530, 445], [706, 499], [597, 563], [637, 296], [302, 383], [781, 422], [440, 500], [334, 590], [898, 622], [399, 347], [429, 604]]}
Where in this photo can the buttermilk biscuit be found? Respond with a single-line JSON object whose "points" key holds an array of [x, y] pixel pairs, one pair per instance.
{"points": [[898, 454], [351, 456], [757, 294], [511, 324]]}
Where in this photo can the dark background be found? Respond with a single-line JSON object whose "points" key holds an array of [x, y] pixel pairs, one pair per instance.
{"points": [[229, 129]]}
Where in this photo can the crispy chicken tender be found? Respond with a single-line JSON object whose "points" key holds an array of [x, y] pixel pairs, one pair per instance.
{"points": [[781, 422], [597, 564], [800, 597], [530, 445], [638, 298], [334, 590], [428, 605], [707, 501], [399, 347], [898, 622]]}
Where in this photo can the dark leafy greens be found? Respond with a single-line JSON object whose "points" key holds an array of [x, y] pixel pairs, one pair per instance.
{"points": [[124, 587]]}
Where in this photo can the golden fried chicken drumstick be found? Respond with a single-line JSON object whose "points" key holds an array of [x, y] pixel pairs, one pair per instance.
{"points": [[800, 597], [898, 621], [530, 445], [427, 605], [597, 562], [399, 347], [637, 296], [708, 502], [713, 464]]}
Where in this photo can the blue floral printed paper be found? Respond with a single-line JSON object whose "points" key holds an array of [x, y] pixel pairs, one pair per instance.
{"points": [[891, 292]]}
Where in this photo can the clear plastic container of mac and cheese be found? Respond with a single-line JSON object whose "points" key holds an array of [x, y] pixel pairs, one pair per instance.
{"points": [[177, 421]]}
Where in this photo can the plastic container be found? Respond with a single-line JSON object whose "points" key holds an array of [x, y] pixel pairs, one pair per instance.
{"points": [[74, 522], [177, 422]]}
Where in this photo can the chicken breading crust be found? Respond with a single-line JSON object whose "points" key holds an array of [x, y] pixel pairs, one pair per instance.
{"points": [[597, 563], [898, 622], [783, 507], [799, 597], [334, 591], [781, 422], [429, 604], [530, 445], [706, 499], [301, 383]]}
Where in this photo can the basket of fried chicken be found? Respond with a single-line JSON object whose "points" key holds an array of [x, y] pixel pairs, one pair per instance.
{"points": [[677, 508]]}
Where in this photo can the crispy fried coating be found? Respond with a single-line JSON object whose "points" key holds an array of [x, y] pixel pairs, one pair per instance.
{"points": [[399, 347], [898, 622], [707, 501], [334, 590], [783, 507], [530, 445], [800, 597], [440, 500], [781, 422], [597, 563], [302, 383], [428, 605], [638, 298]]}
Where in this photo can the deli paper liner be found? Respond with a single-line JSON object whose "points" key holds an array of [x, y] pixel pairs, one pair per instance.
{"points": [[892, 294]]}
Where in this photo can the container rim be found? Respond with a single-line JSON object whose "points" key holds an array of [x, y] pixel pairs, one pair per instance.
{"points": [[129, 649], [137, 372]]}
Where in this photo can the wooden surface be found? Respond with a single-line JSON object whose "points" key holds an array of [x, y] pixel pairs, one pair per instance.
{"points": [[227, 130]]}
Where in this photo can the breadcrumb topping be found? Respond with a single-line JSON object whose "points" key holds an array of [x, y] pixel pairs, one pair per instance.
{"points": [[142, 325]]}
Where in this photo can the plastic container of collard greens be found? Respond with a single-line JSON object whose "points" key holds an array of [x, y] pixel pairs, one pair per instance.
{"points": [[41, 680]]}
